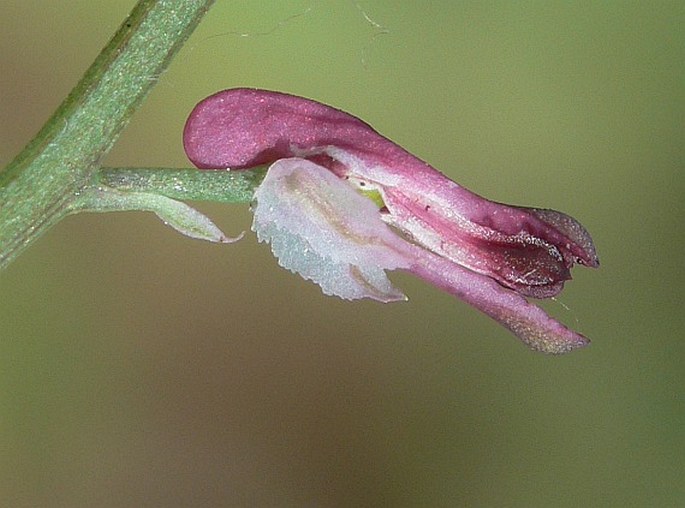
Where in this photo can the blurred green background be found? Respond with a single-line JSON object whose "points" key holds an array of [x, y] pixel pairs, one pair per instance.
{"points": [[141, 368]]}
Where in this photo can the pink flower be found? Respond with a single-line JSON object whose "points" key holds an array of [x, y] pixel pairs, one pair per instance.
{"points": [[341, 204]]}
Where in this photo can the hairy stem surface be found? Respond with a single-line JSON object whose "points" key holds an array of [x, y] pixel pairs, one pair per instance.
{"points": [[39, 185]]}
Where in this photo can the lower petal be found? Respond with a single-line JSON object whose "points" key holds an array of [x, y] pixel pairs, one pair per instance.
{"points": [[528, 322]]}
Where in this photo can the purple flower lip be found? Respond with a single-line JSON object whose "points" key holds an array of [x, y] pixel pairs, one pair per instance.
{"points": [[530, 251]]}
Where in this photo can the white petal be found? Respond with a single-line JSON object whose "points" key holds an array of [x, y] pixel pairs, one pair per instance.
{"points": [[320, 227]]}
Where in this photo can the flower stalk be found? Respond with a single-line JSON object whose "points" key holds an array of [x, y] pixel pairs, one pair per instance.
{"points": [[162, 190], [220, 186]]}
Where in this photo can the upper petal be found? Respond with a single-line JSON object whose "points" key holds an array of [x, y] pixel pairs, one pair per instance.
{"points": [[245, 127]]}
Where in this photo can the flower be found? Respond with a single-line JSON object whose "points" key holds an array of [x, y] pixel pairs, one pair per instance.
{"points": [[341, 204]]}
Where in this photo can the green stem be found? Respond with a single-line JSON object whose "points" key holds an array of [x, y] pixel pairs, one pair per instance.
{"points": [[185, 184], [38, 187]]}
